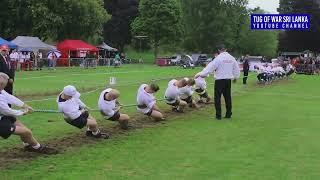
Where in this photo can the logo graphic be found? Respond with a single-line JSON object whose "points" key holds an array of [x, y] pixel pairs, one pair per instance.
{"points": [[280, 22]]}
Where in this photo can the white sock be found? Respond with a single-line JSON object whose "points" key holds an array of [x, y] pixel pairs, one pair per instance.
{"points": [[25, 144], [97, 132], [36, 146], [88, 129]]}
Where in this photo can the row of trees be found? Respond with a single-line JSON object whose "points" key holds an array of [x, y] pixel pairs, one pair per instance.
{"points": [[301, 40], [53, 20], [189, 25], [200, 25]]}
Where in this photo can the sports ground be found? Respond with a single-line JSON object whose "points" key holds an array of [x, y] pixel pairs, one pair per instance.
{"points": [[274, 132]]}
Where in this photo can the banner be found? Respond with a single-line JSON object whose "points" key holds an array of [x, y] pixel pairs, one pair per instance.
{"points": [[299, 22]]}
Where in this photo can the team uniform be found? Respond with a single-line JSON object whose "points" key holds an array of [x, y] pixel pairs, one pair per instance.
{"points": [[172, 94], [279, 72], [109, 109], [145, 101], [289, 70], [8, 115], [71, 110], [270, 73], [201, 86], [261, 73], [185, 94]]}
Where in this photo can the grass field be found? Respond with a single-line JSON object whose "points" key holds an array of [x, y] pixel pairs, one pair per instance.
{"points": [[273, 134]]}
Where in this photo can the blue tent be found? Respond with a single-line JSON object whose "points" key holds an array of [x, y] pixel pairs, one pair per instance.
{"points": [[10, 44]]}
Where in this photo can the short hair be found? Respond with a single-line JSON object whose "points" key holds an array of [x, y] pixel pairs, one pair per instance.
{"points": [[115, 93], [4, 76], [191, 82], [221, 47], [154, 87], [184, 82], [3, 79]]}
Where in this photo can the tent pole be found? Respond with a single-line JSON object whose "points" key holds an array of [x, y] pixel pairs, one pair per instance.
{"points": [[69, 58]]}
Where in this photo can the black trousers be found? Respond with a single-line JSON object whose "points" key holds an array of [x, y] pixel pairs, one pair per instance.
{"points": [[245, 76], [222, 87], [9, 88]]}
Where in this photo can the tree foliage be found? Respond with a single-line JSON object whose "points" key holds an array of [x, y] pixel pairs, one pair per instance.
{"points": [[301, 40], [55, 20], [259, 42], [161, 21], [117, 31], [208, 23]]}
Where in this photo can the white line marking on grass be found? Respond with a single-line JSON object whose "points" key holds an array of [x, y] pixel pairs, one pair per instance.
{"points": [[37, 77], [297, 96], [85, 74], [47, 99], [92, 91]]}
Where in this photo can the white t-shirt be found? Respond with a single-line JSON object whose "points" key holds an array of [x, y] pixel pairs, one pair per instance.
{"points": [[268, 69], [22, 58], [172, 92], [201, 83], [70, 108], [145, 99], [107, 107], [14, 56], [278, 70], [289, 67], [260, 70], [185, 92], [224, 66]]}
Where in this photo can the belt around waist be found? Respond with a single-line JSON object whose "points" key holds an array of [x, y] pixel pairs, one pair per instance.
{"points": [[169, 99], [142, 106], [223, 79]]}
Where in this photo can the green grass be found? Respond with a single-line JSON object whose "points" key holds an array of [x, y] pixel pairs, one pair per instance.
{"points": [[147, 55], [273, 135], [40, 83]]}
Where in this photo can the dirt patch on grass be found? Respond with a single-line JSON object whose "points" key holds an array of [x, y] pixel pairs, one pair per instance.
{"points": [[17, 155]]}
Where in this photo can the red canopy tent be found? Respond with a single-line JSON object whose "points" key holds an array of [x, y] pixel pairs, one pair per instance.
{"points": [[74, 48]]}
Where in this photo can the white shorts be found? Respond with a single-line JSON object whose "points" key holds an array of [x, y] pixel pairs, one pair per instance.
{"points": [[201, 85], [144, 111]]}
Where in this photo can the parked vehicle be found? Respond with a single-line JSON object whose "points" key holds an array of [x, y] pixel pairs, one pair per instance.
{"points": [[187, 62], [176, 60]]}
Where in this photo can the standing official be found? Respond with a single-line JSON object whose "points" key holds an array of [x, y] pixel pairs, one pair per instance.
{"points": [[226, 68], [246, 68], [5, 67]]}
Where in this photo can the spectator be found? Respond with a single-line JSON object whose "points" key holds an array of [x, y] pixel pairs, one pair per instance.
{"points": [[31, 61], [5, 67], [52, 61], [38, 61], [14, 58]]}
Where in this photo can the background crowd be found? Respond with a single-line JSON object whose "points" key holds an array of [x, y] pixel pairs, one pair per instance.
{"points": [[309, 66]]}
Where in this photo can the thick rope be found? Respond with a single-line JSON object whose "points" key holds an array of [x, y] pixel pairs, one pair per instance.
{"points": [[92, 110]]}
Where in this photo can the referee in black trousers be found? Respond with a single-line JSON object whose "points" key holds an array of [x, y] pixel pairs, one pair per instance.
{"points": [[246, 68], [226, 68]]}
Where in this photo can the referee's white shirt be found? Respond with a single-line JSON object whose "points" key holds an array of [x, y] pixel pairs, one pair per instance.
{"points": [[224, 65]]}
